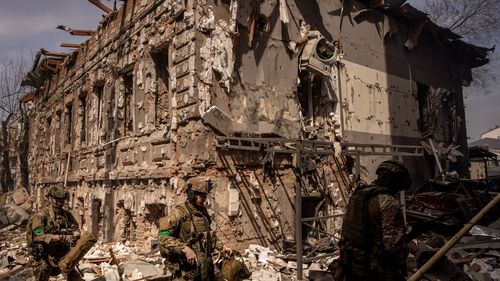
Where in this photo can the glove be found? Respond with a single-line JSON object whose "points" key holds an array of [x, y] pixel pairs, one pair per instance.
{"points": [[69, 238]]}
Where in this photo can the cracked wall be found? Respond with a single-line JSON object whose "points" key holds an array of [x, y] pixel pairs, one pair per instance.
{"points": [[140, 108]]}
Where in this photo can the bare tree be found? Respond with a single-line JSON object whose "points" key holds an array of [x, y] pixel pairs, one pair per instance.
{"points": [[477, 21], [12, 71]]}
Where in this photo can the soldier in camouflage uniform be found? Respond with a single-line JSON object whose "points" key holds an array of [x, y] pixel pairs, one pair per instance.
{"points": [[373, 244], [185, 238], [54, 239]]}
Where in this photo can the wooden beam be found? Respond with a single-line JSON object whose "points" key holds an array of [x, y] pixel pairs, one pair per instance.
{"points": [[70, 45], [101, 6], [53, 54], [82, 32]]}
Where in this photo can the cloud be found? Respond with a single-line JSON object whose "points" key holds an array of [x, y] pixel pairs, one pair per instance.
{"points": [[31, 25]]}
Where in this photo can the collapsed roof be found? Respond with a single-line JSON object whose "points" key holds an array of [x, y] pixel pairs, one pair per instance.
{"points": [[468, 55]]}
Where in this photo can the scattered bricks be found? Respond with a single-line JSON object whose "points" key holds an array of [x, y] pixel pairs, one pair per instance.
{"points": [[19, 196]]}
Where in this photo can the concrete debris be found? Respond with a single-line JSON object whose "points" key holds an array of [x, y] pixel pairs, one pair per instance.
{"points": [[141, 107], [17, 208], [15, 261], [284, 17], [262, 262], [436, 212], [479, 230], [266, 264], [265, 274], [138, 269], [458, 264], [477, 256], [219, 121]]}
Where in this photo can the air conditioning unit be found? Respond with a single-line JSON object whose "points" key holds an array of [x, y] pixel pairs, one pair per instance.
{"points": [[318, 54]]}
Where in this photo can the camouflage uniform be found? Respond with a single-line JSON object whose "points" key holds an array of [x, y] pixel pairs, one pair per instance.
{"points": [[55, 256], [44, 224], [187, 225], [374, 245]]}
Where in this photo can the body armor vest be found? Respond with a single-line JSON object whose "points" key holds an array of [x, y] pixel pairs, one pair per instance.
{"points": [[356, 228], [195, 229], [54, 224]]}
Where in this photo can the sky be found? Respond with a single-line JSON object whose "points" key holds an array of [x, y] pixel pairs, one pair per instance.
{"points": [[28, 25]]}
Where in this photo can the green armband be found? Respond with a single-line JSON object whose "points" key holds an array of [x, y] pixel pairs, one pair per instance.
{"points": [[38, 230], [165, 233]]}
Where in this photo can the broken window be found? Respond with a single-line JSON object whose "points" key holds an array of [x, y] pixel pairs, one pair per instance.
{"points": [[128, 82], [96, 215], [68, 123], [317, 101], [154, 212], [99, 91], [162, 98], [57, 133], [48, 132], [82, 100], [317, 86], [438, 119]]}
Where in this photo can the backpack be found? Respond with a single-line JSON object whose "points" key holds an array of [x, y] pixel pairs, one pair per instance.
{"points": [[356, 230]]}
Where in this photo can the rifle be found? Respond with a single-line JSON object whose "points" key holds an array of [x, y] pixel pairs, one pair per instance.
{"points": [[195, 237]]}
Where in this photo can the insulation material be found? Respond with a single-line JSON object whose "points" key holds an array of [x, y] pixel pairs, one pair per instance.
{"points": [[217, 55], [284, 17], [371, 104]]}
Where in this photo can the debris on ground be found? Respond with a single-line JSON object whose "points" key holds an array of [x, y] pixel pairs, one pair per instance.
{"points": [[438, 210], [475, 257]]}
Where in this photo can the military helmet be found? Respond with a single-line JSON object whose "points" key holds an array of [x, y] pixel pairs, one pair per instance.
{"points": [[59, 192], [199, 184], [398, 171]]}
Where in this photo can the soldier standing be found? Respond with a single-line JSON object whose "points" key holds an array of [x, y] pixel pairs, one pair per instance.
{"points": [[373, 245], [185, 238], [55, 240]]}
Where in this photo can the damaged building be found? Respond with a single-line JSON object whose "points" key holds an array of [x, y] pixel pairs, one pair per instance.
{"points": [[281, 104]]}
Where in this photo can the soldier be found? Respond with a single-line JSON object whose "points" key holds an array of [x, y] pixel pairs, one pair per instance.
{"points": [[185, 237], [55, 241], [373, 244]]}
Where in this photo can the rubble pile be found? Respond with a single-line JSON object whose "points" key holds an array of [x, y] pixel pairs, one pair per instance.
{"points": [[475, 257], [16, 208], [112, 260], [266, 264], [107, 261], [479, 253], [14, 256], [439, 209]]}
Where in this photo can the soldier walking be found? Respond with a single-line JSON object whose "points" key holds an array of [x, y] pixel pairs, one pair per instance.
{"points": [[373, 245], [186, 240]]}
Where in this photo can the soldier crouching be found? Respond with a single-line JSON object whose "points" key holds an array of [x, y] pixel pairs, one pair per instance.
{"points": [[55, 240], [185, 238]]}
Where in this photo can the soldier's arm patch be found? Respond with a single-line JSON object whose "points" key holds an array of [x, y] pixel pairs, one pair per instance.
{"points": [[38, 231], [166, 233]]}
